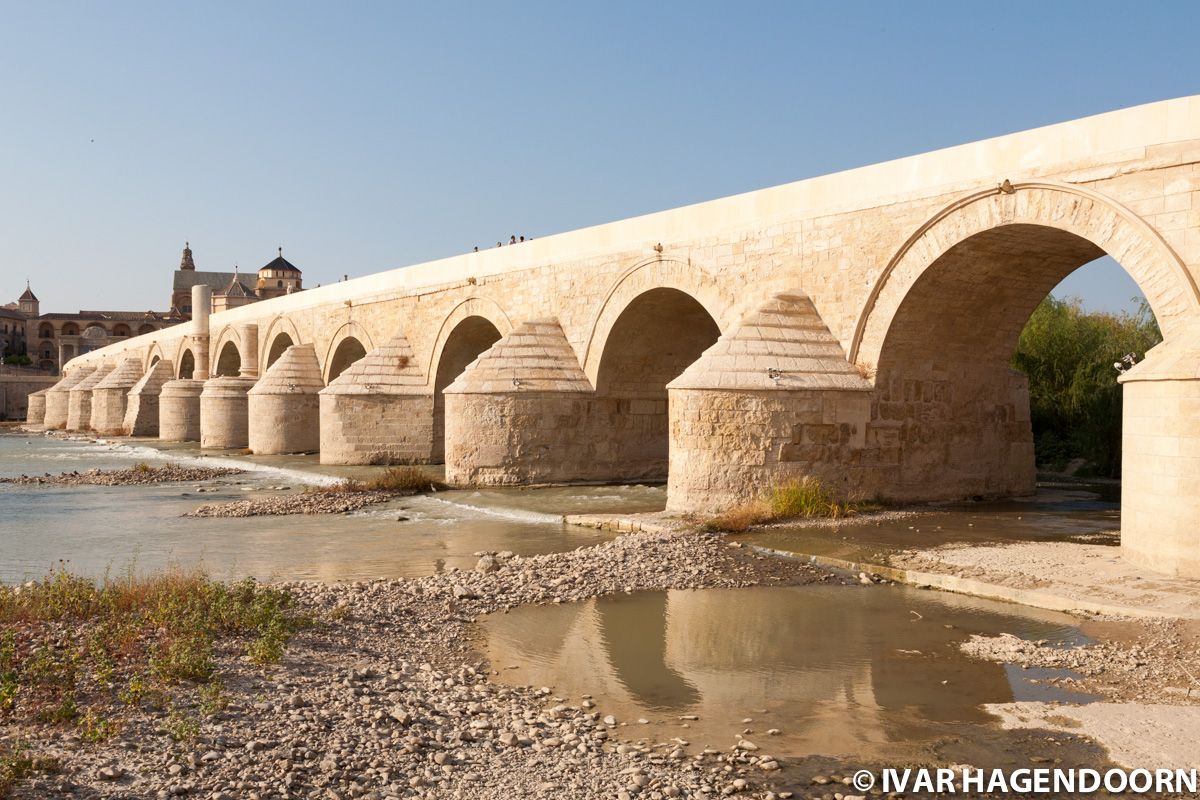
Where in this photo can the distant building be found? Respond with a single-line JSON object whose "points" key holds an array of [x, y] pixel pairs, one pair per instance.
{"points": [[50, 340], [233, 289]]}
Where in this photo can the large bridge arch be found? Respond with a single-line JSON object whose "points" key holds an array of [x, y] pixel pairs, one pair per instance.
{"points": [[943, 321], [1089, 215], [349, 343]]}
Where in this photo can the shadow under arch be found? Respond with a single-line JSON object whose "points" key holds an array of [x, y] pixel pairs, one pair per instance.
{"points": [[656, 336], [187, 364], [349, 343], [281, 334]]}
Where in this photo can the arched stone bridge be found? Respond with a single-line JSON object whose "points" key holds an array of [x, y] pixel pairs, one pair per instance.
{"points": [[856, 326]]}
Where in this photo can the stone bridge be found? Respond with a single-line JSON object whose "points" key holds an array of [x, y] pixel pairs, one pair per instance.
{"points": [[857, 327]]}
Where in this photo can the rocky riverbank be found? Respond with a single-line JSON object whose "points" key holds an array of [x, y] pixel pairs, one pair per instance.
{"points": [[387, 698], [311, 502], [138, 475], [1159, 662]]}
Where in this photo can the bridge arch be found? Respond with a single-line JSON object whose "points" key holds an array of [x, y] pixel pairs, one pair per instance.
{"points": [[658, 273], [939, 330], [349, 343], [281, 334], [186, 367], [1107, 225], [472, 327], [227, 349], [154, 354]]}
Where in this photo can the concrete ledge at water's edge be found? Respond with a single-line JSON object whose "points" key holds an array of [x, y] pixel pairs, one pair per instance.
{"points": [[1037, 598], [658, 522]]}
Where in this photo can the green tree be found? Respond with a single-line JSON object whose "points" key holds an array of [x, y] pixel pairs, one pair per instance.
{"points": [[1073, 359]]}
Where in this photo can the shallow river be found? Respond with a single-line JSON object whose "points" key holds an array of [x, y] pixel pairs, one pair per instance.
{"points": [[98, 528]]}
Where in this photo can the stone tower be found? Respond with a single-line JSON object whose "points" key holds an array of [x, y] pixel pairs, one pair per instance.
{"points": [[186, 262], [28, 302]]}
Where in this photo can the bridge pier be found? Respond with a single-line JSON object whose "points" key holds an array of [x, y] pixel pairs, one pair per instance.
{"points": [[285, 412], [522, 413], [1160, 459], [141, 409], [179, 410], [79, 407], [773, 399], [35, 411], [58, 398], [379, 410], [225, 412], [111, 396]]}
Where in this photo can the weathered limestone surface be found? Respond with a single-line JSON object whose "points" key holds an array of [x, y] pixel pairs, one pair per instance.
{"points": [[58, 397], [774, 398], [923, 270], [110, 397], [523, 413], [179, 410], [141, 410], [285, 410], [225, 412], [1160, 459], [379, 410], [79, 405], [35, 413]]}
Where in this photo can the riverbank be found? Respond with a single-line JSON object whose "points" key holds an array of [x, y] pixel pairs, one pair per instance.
{"points": [[386, 697]]}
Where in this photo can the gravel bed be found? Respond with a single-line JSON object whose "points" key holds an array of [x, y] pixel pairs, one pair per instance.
{"points": [[316, 502], [134, 476], [389, 699]]}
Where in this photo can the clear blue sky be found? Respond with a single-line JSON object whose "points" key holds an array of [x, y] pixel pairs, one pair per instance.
{"points": [[366, 136]]}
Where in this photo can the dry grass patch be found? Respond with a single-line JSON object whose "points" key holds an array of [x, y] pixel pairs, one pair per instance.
{"points": [[395, 480], [797, 498], [74, 651]]}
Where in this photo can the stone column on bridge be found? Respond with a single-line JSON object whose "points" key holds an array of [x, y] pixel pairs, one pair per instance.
{"points": [[179, 400], [521, 413], [774, 398], [224, 406], [285, 415], [141, 410], [379, 410], [79, 406], [1160, 458], [58, 398], [35, 410], [111, 396]]}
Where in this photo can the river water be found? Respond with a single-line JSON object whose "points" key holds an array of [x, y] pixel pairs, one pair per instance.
{"points": [[99, 528]]}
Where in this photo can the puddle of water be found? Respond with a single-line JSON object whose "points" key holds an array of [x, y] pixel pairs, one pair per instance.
{"points": [[95, 528], [839, 671]]}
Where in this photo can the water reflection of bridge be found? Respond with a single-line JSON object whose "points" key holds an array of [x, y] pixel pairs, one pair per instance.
{"points": [[837, 670]]}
